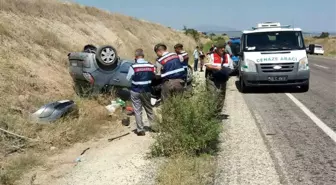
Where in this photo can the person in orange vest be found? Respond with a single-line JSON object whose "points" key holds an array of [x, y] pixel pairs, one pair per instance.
{"points": [[218, 70], [220, 63]]}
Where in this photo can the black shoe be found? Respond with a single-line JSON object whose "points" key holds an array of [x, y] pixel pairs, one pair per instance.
{"points": [[141, 133]]}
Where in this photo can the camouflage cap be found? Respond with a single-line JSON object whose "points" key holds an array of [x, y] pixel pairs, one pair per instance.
{"points": [[220, 44]]}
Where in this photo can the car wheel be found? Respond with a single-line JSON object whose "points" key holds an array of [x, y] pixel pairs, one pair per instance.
{"points": [[189, 74], [242, 86], [107, 57], [304, 88]]}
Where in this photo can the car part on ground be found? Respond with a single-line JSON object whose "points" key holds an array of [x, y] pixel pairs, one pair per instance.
{"points": [[54, 111]]}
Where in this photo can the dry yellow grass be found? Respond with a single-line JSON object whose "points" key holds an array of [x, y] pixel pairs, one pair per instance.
{"points": [[36, 36], [329, 44], [185, 170]]}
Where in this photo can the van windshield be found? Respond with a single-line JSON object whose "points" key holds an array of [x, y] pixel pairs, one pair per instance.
{"points": [[274, 41]]}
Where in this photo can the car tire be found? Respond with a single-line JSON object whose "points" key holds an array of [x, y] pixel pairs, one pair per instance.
{"points": [[190, 74], [242, 87], [304, 88], [107, 57]]}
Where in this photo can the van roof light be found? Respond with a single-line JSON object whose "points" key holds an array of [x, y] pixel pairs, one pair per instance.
{"points": [[270, 25]]}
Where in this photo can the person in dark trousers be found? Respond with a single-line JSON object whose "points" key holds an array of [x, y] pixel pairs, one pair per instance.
{"points": [[172, 71], [141, 73], [218, 72], [212, 48], [202, 58], [196, 58], [183, 56], [228, 49]]}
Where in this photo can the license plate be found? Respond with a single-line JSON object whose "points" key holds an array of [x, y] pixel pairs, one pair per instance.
{"points": [[277, 78]]}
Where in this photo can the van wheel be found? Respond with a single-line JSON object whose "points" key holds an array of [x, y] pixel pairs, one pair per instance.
{"points": [[107, 57], [242, 86], [304, 88]]}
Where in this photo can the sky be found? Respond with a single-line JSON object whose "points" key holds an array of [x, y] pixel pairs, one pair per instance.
{"points": [[310, 15]]}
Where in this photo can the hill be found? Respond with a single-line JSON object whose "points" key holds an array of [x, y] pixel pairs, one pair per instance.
{"points": [[36, 36], [214, 28]]}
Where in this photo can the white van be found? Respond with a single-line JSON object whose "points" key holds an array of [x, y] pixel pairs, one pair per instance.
{"points": [[273, 55]]}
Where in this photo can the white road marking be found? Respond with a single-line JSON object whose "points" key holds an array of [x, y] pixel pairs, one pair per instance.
{"points": [[324, 67], [315, 119]]}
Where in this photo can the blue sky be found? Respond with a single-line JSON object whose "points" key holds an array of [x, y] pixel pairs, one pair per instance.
{"points": [[310, 15]]}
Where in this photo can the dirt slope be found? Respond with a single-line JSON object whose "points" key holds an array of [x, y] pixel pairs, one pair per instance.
{"points": [[36, 35]]}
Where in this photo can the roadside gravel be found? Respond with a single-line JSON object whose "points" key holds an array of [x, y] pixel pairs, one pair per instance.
{"points": [[244, 157]]}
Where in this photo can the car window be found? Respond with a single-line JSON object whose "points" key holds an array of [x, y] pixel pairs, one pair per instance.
{"points": [[125, 67]]}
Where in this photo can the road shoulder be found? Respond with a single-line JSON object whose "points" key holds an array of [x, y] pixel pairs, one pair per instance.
{"points": [[244, 158]]}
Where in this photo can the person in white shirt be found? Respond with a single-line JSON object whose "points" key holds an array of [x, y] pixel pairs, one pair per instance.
{"points": [[196, 57]]}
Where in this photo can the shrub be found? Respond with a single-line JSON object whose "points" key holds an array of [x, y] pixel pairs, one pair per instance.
{"points": [[192, 32], [189, 125], [324, 35]]}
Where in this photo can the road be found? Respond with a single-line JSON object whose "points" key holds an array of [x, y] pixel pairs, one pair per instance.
{"points": [[299, 128]]}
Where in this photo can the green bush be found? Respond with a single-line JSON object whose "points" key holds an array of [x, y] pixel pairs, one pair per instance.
{"points": [[188, 126], [192, 32], [324, 35]]}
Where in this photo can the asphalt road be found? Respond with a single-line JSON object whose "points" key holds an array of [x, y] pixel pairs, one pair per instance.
{"points": [[298, 128]]}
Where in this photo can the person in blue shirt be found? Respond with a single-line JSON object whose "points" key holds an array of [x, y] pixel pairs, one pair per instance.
{"points": [[184, 57], [171, 70], [141, 73]]}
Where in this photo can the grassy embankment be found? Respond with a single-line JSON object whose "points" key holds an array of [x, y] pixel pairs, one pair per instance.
{"points": [[189, 135]]}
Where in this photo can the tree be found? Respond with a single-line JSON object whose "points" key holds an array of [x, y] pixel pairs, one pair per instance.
{"points": [[324, 35], [221, 39], [192, 32]]}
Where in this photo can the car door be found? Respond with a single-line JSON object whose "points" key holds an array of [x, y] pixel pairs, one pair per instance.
{"points": [[119, 78]]}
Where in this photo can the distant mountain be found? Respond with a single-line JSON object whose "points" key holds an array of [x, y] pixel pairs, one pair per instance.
{"points": [[214, 28]]}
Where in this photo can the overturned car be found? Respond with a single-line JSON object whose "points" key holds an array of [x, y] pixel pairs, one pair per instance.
{"points": [[100, 70]]}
